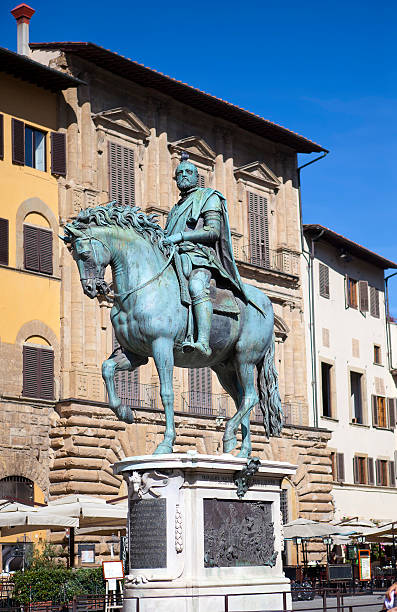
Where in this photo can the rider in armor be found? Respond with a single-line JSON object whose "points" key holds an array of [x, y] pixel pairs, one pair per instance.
{"points": [[199, 225]]}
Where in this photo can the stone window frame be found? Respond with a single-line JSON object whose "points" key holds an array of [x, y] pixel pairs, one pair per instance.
{"points": [[39, 328], [364, 397], [29, 206], [334, 412]]}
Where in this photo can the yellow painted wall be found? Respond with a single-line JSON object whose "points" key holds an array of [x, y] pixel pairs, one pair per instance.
{"points": [[26, 296]]}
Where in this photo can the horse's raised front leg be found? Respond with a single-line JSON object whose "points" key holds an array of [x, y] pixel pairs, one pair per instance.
{"points": [[119, 360], [163, 355], [245, 373]]}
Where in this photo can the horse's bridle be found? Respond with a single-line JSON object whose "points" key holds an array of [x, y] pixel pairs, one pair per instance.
{"points": [[135, 289]]}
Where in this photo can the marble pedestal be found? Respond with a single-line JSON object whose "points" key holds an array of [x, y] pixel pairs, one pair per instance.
{"points": [[192, 541]]}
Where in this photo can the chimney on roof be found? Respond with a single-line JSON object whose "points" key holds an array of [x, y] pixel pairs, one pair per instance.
{"points": [[23, 14]]}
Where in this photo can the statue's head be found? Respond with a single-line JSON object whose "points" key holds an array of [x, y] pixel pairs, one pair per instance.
{"points": [[186, 174]]}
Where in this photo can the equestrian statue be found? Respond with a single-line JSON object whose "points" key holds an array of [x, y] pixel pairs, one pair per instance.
{"points": [[178, 297]]}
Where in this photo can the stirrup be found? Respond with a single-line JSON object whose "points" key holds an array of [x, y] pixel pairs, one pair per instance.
{"points": [[188, 347]]}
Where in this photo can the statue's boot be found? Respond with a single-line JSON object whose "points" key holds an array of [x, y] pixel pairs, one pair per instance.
{"points": [[203, 315]]}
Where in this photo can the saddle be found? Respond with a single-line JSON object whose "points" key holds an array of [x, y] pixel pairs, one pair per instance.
{"points": [[223, 300]]}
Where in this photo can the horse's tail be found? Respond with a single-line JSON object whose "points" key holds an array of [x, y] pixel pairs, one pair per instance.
{"points": [[269, 396]]}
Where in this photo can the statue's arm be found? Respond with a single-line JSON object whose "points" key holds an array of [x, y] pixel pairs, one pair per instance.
{"points": [[210, 232]]}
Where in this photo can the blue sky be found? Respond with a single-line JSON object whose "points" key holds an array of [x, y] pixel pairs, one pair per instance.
{"points": [[325, 70]]}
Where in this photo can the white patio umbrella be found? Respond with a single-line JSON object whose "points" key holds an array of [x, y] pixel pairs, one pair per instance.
{"points": [[384, 534], [306, 529], [90, 511], [19, 518]]}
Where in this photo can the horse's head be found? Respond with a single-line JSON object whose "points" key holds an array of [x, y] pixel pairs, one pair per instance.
{"points": [[92, 257]]}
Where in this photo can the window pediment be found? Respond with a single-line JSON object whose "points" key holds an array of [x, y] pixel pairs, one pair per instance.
{"points": [[258, 173], [197, 148], [121, 119]]}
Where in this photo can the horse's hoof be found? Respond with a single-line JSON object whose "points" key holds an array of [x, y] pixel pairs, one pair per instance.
{"points": [[125, 414], [163, 449], [229, 445]]}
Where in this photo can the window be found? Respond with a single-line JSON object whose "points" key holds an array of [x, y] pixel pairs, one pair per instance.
{"points": [[258, 230], [284, 505], [58, 153], [382, 470], [379, 414], [370, 471], [121, 174], [35, 149], [201, 180], [360, 470], [37, 249], [200, 391], [4, 242], [391, 412], [324, 280], [377, 355], [351, 292], [363, 296], [326, 370], [38, 372], [338, 466], [17, 488], [356, 397], [126, 383], [374, 302]]}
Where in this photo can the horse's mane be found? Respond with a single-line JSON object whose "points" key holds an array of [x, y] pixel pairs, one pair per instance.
{"points": [[125, 217]]}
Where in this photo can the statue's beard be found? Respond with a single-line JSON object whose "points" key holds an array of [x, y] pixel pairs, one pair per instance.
{"points": [[186, 185]]}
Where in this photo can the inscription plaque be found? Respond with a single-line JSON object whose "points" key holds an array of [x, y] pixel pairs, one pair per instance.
{"points": [[238, 533], [148, 534]]}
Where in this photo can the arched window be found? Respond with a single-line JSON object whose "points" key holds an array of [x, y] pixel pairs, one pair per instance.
{"points": [[17, 488], [38, 368], [37, 244]]}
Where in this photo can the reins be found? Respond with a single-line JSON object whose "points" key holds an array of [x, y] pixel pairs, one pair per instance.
{"points": [[142, 285]]}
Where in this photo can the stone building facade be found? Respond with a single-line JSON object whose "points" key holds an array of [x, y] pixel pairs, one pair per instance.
{"points": [[143, 120]]}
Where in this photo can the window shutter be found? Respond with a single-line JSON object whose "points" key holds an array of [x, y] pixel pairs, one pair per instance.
{"points": [[201, 181], [200, 390], [4, 242], [46, 374], [126, 383], [1, 137], [324, 280], [121, 174], [355, 470], [363, 295], [18, 142], [370, 470], [391, 413], [31, 241], [30, 371], [259, 230], [378, 472], [45, 251], [392, 474], [374, 411], [374, 302], [58, 153], [340, 467]]}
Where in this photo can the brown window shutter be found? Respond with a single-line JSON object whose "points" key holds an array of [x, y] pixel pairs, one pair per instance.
{"points": [[324, 280], [31, 247], [378, 472], [340, 467], [45, 251], [30, 371], [355, 470], [258, 230], [201, 180], [4, 242], [58, 153], [374, 302], [392, 474], [18, 142], [200, 390], [126, 383], [370, 471], [121, 174], [363, 295], [391, 413], [46, 374], [374, 411], [1, 137]]}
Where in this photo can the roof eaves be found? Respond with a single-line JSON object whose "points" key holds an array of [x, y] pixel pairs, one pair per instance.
{"points": [[356, 248], [95, 52]]}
